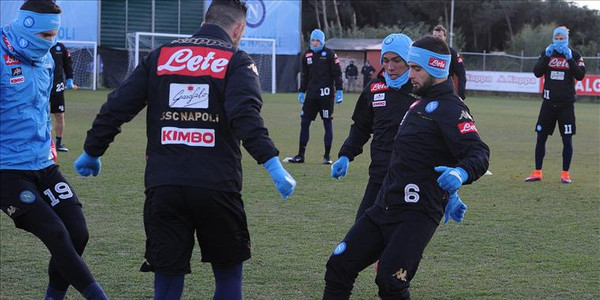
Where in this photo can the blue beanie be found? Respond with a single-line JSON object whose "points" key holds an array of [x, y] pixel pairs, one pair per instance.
{"points": [[398, 43], [319, 35]]}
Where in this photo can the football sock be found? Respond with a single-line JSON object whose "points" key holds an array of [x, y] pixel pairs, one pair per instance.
{"points": [[304, 135], [328, 138], [228, 282], [168, 286], [58, 140], [54, 294], [540, 150], [94, 292], [567, 152]]}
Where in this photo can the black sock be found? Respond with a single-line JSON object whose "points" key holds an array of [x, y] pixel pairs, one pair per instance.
{"points": [[58, 141]]}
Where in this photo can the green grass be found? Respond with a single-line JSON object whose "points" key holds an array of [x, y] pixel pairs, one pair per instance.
{"points": [[518, 240]]}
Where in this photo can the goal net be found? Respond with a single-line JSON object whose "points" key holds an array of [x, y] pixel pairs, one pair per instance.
{"points": [[85, 62], [262, 51]]}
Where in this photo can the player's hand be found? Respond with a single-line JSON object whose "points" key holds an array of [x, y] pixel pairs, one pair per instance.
{"points": [[549, 50], [451, 178], [301, 98], [86, 165], [284, 182], [567, 52], [339, 96], [455, 208], [340, 167], [69, 83]]}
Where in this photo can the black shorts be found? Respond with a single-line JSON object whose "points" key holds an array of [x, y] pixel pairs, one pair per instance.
{"points": [[550, 113], [22, 190], [57, 102], [312, 106], [173, 214]]}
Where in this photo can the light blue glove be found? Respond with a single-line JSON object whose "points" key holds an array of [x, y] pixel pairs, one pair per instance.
{"points": [[301, 98], [567, 52], [284, 182], [549, 50], [455, 208], [86, 165], [339, 96], [69, 83], [451, 178], [340, 167]]}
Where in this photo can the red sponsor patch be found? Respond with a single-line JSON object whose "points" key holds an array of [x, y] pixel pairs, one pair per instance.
{"points": [[414, 104], [336, 60], [193, 61], [437, 63], [467, 127], [459, 58], [10, 60], [379, 103], [195, 137], [308, 54], [17, 80], [379, 87], [558, 63], [8, 44], [581, 63]]}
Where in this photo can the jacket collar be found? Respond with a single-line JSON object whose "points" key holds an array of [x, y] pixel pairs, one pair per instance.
{"points": [[210, 30], [442, 88]]}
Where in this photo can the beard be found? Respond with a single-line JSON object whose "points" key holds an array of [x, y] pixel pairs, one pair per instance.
{"points": [[420, 91]]}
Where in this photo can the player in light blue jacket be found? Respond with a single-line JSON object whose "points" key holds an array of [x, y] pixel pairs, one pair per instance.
{"points": [[33, 193]]}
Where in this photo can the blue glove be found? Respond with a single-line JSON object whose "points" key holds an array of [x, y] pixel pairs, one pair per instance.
{"points": [[86, 165], [451, 178], [339, 96], [549, 50], [284, 182], [455, 208], [69, 83], [340, 167], [301, 98], [567, 52]]}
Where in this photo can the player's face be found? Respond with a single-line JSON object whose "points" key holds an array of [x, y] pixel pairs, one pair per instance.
{"points": [[48, 35], [420, 79], [559, 37], [394, 65], [315, 43], [439, 34]]}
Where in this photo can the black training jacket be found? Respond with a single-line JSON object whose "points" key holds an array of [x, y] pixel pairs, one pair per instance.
{"points": [[457, 67], [559, 75], [321, 74], [63, 63], [378, 112], [203, 98], [438, 130]]}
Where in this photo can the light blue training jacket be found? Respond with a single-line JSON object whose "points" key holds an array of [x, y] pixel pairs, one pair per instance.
{"points": [[24, 109]]}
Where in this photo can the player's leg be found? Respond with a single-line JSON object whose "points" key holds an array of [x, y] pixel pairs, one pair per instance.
{"points": [[566, 123], [399, 261], [368, 198], [57, 108], [170, 239], [307, 115], [544, 127], [222, 232], [360, 248], [326, 112]]}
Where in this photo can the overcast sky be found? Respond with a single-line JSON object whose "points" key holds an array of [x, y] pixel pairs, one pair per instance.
{"points": [[592, 4]]}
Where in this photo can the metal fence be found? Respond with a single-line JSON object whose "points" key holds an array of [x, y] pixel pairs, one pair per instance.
{"points": [[500, 61]]}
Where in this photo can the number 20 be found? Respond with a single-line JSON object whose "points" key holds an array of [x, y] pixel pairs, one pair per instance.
{"points": [[62, 189]]}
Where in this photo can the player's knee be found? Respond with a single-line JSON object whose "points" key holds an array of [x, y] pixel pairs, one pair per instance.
{"points": [[339, 277], [392, 286], [80, 237]]}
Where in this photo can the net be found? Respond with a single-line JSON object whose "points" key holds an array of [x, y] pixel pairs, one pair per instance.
{"points": [[85, 63]]}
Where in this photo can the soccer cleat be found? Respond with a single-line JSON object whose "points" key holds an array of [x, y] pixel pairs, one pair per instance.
{"points": [[327, 160], [62, 148], [298, 159], [536, 175], [564, 177]]}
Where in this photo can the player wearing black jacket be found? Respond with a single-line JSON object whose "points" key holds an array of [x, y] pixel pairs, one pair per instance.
{"points": [[63, 79], [378, 112], [457, 66], [437, 130], [202, 96], [561, 66], [321, 74]]}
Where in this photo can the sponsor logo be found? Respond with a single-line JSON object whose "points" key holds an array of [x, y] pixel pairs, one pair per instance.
{"points": [[414, 104], [11, 210], [401, 274], [309, 54], [8, 44], [379, 96], [16, 71], [190, 116], [437, 63], [557, 75], [432, 106], [17, 80], [10, 60], [193, 61], [309, 60], [558, 63], [324, 53], [465, 115], [253, 68], [459, 58], [28, 22], [195, 137], [581, 63], [256, 13], [58, 48], [467, 127], [340, 248], [379, 103], [188, 95], [27, 196], [538, 128], [23, 43], [203, 41], [379, 87]]}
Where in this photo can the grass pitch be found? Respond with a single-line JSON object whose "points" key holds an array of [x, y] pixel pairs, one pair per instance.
{"points": [[518, 240]]}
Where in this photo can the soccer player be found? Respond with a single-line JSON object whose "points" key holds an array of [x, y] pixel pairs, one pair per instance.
{"points": [[202, 96], [34, 193], [367, 71], [378, 112], [321, 73], [351, 75], [457, 67], [63, 67], [560, 65], [437, 134]]}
